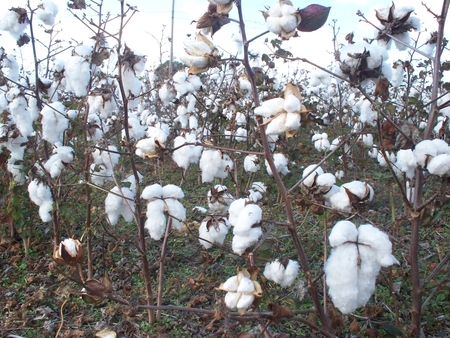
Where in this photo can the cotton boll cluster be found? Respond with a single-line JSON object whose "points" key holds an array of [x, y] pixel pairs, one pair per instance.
{"points": [[134, 64], [213, 229], [12, 23], [213, 163], [119, 202], [282, 19], [241, 291], [356, 258], [148, 147], [41, 195], [282, 271], [61, 157], [162, 200], [200, 54], [281, 164], [246, 229], [54, 122], [186, 155], [321, 142], [46, 12], [77, 71], [103, 166], [219, 199]]}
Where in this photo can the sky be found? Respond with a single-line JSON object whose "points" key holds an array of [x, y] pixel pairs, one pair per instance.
{"points": [[145, 33]]}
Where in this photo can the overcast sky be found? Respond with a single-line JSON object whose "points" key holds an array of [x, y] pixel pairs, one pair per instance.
{"points": [[147, 25]]}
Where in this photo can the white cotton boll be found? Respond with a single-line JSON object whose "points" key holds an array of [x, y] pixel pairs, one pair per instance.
{"points": [[172, 191], [390, 156], [136, 130], [77, 74], [274, 25], [215, 234], [10, 23], [367, 139], [424, 151], [167, 93], [373, 153], [176, 211], [209, 161], [259, 186], [340, 201], [321, 143], [275, 10], [21, 116], [379, 241], [146, 148], [46, 12], [293, 121], [367, 115], [326, 180], [291, 104], [231, 284], [343, 231], [41, 195], [251, 163], [277, 125], [240, 120], [10, 63], [441, 146], [246, 285], [378, 54], [220, 202], [250, 215], [254, 196], [310, 178], [339, 174], [198, 48], [360, 189], [406, 162], [280, 162], [152, 191], [341, 277], [397, 74], [288, 22], [100, 174], [290, 274], [439, 165], [244, 84], [334, 189], [241, 134], [61, 157], [235, 209], [231, 299], [245, 301], [242, 243], [54, 122], [45, 211], [287, 10], [195, 61], [270, 107], [184, 156], [156, 220], [116, 206], [403, 37]]}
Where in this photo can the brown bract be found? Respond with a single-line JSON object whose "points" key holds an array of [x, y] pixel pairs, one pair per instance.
{"points": [[68, 252], [214, 18]]}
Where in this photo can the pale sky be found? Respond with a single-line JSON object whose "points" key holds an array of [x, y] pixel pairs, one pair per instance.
{"points": [[152, 15]]}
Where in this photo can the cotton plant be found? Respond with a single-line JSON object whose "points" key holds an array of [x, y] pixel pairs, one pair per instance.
{"points": [[162, 200], [41, 195], [355, 261], [60, 158], [282, 271], [214, 164], [120, 202], [242, 290], [247, 228]]}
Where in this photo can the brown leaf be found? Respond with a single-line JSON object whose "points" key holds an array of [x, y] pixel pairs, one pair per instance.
{"points": [[212, 19], [22, 12], [387, 135], [354, 327], [280, 312], [382, 89]]}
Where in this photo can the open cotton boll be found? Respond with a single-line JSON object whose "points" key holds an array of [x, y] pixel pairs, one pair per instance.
{"points": [[249, 216], [184, 156], [292, 104], [367, 115], [156, 219], [293, 121], [241, 134], [21, 115], [152, 191], [116, 206], [176, 211], [310, 174], [280, 274], [343, 231], [439, 165], [135, 129], [77, 73], [288, 22], [274, 24], [321, 142], [46, 12], [270, 107], [361, 189], [367, 139], [214, 233], [41, 195], [442, 147], [406, 162], [241, 243], [277, 125], [172, 191], [342, 277], [379, 242], [11, 23], [251, 163], [424, 151], [326, 180], [235, 209], [280, 162], [390, 156], [341, 201], [61, 157], [54, 122], [397, 74], [167, 93]]}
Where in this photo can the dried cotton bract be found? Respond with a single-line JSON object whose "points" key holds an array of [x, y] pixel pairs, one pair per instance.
{"points": [[241, 291], [355, 261]]}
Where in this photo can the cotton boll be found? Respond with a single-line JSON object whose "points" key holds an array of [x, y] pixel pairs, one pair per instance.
{"points": [[280, 162], [246, 285], [41, 195], [235, 209], [232, 299], [360, 189], [310, 174], [152, 191], [216, 232], [293, 121], [406, 162], [367, 115], [46, 12], [241, 243], [288, 22], [439, 165], [21, 116], [325, 180], [340, 201], [54, 122], [397, 74], [250, 216], [176, 211], [441, 146], [245, 301], [61, 157], [367, 139], [270, 107], [77, 74], [274, 24], [116, 206], [11, 23], [342, 276], [343, 231], [379, 242], [424, 151], [172, 191], [277, 125], [156, 220], [251, 163]]}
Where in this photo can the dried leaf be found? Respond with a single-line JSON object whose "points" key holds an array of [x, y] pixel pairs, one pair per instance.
{"points": [[382, 89], [280, 312]]}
